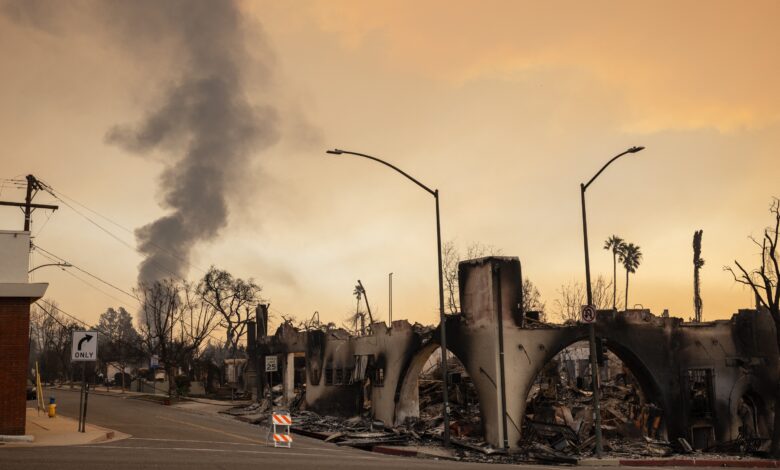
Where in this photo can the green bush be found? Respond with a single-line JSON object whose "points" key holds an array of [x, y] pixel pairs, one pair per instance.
{"points": [[182, 384]]}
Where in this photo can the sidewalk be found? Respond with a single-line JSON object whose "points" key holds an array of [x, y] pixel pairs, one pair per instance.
{"points": [[703, 461], [62, 431]]}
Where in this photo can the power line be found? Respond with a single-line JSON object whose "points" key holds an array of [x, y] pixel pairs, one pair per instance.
{"points": [[59, 195], [62, 260], [48, 218], [108, 232], [57, 258]]}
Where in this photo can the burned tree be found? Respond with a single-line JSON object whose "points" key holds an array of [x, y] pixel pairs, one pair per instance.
{"points": [[571, 298], [118, 339], [698, 262], [763, 281], [450, 259], [532, 299], [233, 299], [174, 323], [158, 316]]}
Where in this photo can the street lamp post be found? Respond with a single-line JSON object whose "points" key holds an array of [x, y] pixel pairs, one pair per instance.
{"points": [[62, 265], [591, 329], [442, 318]]}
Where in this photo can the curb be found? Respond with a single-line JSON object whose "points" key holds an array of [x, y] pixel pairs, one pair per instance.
{"points": [[395, 451], [409, 453], [599, 462], [105, 436], [313, 434], [23, 438], [752, 463]]}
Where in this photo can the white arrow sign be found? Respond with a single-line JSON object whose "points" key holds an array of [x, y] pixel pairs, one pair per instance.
{"points": [[84, 346]]}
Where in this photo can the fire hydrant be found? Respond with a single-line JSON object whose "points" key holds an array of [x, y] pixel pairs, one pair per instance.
{"points": [[52, 408]]}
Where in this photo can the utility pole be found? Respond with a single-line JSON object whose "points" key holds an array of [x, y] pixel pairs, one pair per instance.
{"points": [[390, 299], [33, 186], [698, 262]]}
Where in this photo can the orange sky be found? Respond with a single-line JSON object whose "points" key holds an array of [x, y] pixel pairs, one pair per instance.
{"points": [[504, 106]]}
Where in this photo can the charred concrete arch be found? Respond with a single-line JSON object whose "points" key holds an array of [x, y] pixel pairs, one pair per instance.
{"points": [[709, 378], [539, 346], [407, 400], [649, 390]]}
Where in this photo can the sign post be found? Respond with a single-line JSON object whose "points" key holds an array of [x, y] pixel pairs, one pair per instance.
{"points": [[271, 365], [154, 363], [84, 349]]}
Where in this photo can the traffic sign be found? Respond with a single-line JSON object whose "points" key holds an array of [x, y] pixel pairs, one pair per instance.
{"points": [[84, 346], [271, 364], [154, 362], [588, 314]]}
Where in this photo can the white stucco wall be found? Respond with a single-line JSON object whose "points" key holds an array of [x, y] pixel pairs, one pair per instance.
{"points": [[14, 256]]}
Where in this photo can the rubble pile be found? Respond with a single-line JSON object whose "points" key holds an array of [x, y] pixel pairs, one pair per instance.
{"points": [[559, 423], [558, 427]]}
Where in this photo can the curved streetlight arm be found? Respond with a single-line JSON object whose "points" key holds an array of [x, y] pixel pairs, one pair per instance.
{"points": [[631, 150], [64, 265], [341, 152]]}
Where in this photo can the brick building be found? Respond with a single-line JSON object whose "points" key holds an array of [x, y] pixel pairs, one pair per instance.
{"points": [[16, 294]]}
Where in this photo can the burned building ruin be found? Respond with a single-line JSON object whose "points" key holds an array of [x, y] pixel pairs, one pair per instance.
{"points": [[707, 382]]}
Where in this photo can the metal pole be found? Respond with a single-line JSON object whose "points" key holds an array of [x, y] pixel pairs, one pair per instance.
{"points": [[86, 399], [502, 369], [81, 395], [443, 330], [390, 298], [594, 368]]}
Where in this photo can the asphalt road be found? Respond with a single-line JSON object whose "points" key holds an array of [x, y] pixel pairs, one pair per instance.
{"points": [[172, 438]]}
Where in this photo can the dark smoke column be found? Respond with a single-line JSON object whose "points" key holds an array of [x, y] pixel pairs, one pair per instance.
{"points": [[204, 124]]}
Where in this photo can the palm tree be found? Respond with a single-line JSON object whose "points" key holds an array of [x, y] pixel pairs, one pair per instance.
{"points": [[613, 244], [630, 257], [359, 316]]}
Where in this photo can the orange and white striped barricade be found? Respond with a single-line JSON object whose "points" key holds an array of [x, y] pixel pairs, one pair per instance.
{"points": [[282, 440], [281, 421]]}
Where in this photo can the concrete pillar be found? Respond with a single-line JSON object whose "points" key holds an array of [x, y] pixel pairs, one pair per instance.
{"points": [[289, 378]]}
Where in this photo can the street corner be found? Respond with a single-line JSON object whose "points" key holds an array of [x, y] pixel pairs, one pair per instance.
{"points": [[43, 431]]}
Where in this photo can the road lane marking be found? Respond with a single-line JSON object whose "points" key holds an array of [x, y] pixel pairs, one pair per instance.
{"points": [[281, 453], [237, 436], [206, 428], [195, 441]]}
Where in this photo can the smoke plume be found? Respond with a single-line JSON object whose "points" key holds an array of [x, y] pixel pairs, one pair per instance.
{"points": [[204, 125]]}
